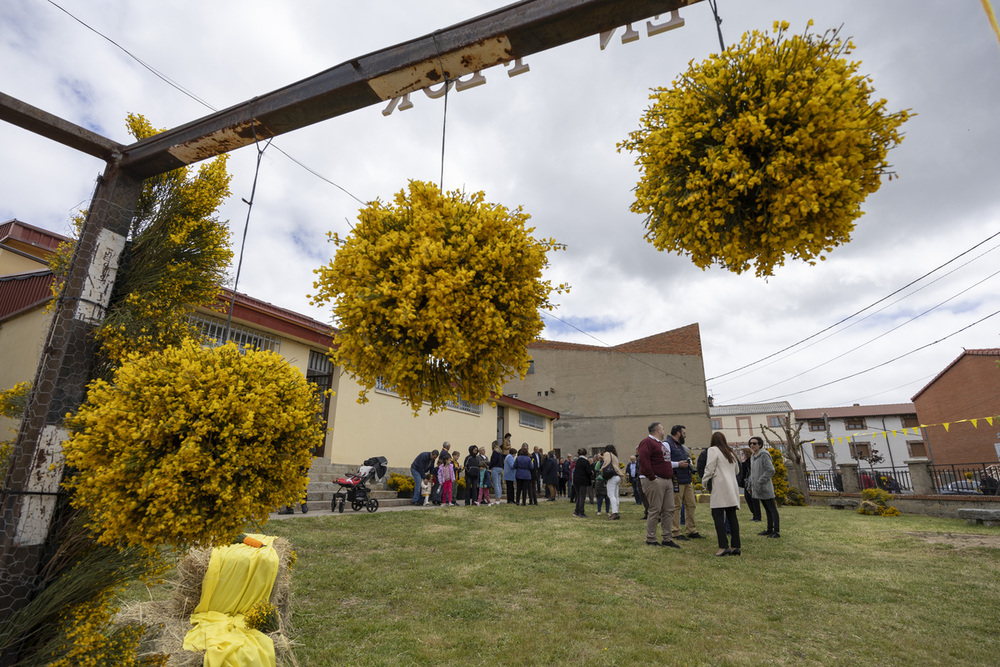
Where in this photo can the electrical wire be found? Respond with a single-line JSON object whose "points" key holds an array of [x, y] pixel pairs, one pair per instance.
{"points": [[871, 340], [630, 356], [859, 321], [884, 363], [173, 84], [845, 319]]}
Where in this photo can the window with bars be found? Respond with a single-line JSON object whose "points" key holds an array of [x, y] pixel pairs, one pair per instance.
{"points": [[530, 420], [460, 404], [213, 331]]}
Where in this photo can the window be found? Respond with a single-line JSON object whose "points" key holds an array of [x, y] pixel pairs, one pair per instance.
{"points": [[775, 421], [911, 421], [861, 450], [459, 404], [531, 366], [319, 373], [917, 449], [821, 451], [716, 424], [817, 425], [854, 423], [213, 330], [530, 420]]}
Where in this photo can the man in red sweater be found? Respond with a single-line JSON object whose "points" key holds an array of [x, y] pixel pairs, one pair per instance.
{"points": [[655, 471]]}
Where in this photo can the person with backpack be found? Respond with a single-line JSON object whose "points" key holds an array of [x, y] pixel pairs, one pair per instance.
{"points": [[612, 474], [471, 468]]}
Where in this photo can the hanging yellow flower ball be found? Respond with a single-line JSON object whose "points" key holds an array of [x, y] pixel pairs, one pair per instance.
{"points": [[436, 296], [763, 152], [188, 444]]}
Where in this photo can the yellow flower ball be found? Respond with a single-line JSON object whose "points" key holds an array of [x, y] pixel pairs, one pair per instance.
{"points": [[436, 296], [763, 152]]}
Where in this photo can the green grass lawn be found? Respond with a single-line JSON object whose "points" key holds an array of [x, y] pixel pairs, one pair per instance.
{"points": [[535, 586]]}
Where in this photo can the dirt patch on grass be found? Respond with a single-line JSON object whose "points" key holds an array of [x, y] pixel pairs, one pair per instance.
{"points": [[960, 540]]}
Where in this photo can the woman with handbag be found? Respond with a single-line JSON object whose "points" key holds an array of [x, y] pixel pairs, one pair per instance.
{"points": [[721, 467], [611, 472]]}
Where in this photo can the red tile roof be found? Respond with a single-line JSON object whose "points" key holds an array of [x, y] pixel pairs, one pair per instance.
{"points": [[858, 411], [685, 340], [21, 292]]}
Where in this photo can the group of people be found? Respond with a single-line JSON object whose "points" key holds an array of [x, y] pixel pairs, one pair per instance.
{"points": [[664, 462], [523, 473], [661, 475]]}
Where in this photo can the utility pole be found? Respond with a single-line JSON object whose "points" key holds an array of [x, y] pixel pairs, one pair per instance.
{"points": [[29, 499]]}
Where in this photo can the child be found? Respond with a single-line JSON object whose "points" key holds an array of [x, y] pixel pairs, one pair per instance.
{"points": [[446, 477], [485, 482], [601, 491], [425, 489]]}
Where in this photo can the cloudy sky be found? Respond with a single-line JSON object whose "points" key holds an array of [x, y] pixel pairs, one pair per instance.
{"points": [[545, 140]]}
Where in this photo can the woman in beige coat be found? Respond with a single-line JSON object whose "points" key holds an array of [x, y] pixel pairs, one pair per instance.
{"points": [[721, 468]]}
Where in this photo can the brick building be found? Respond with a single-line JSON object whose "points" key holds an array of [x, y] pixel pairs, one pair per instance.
{"points": [[955, 405], [610, 395]]}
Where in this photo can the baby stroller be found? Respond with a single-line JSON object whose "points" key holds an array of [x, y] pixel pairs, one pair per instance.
{"points": [[352, 489]]}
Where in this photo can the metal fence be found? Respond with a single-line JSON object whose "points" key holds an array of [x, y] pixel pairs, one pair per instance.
{"points": [[824, 480], [966, 478], [893, 479]]}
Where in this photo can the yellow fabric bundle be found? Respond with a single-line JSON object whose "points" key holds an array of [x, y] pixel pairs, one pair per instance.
{"points": [[238, 577]]}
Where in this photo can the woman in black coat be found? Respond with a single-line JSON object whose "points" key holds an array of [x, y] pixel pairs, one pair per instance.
{"points": [[583, 476]]}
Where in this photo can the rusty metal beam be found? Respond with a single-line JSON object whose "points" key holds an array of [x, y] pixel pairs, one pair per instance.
{"points": [[31, 118], [503, 35]]}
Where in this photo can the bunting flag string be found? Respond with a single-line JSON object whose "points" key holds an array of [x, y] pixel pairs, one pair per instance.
{"points": [[916, 429]]}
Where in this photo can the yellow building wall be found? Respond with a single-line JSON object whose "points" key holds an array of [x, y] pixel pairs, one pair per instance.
{"points": [[21, 340], [520, 435], [386, 427], [12, 262]]}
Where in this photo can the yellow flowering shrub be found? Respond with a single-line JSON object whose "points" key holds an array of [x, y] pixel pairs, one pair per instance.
{"points": [[780, 478], [436, 295], [12, 404], [187, 445], [763, 152], [875, 502], [174, 259]]}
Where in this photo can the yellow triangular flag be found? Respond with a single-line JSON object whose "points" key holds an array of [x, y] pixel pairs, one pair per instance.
{"points": [[989, 420], [946, 425], [894, 433], [974, 423]]}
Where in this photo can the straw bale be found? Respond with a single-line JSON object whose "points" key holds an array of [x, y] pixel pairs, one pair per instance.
{"points": [[169, 620]]}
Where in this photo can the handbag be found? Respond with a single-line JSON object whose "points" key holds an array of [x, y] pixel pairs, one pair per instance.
{"points": [[608, 471]]}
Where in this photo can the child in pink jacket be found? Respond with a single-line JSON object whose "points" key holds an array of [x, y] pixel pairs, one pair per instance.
{"points": [[446, 478]]}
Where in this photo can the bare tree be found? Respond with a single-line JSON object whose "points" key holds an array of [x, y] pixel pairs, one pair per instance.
{"points": [[789, 442]]}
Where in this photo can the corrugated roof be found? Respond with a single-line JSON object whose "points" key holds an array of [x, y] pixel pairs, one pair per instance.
{"points": [[20, 292], [982, 352], [858, 411], [779, 407]]}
